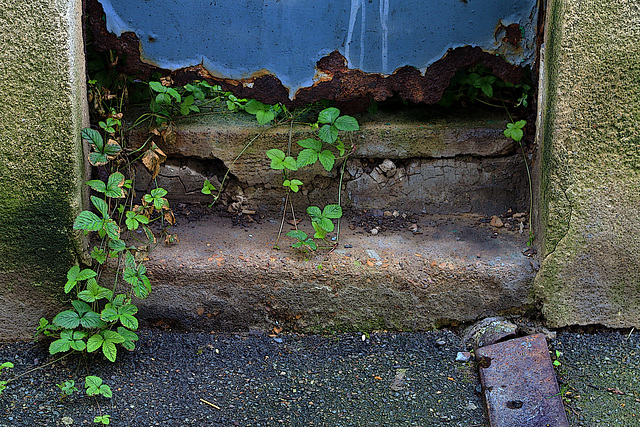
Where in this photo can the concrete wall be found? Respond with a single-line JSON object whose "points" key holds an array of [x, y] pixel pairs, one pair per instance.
{"points": [[590, 155], [42, 111]]}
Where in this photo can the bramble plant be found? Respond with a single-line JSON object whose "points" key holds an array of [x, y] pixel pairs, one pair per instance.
{"points": [[3, 384], [67, 388]]}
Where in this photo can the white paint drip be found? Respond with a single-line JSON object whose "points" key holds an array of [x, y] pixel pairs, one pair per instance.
{"points": [[384, 16], [356, 6]]}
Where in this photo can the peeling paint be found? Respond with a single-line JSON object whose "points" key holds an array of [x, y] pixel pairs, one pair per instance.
{"points": [[240, 39]]}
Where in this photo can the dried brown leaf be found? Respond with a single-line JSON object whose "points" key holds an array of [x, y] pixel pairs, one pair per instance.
{"points": [[169, 217]]}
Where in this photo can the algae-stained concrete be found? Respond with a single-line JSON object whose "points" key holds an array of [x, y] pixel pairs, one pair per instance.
{"points": [[590, 149], [42, 111]]}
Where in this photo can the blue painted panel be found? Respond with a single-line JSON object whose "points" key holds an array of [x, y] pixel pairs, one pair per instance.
{"points": [[238, 38]]}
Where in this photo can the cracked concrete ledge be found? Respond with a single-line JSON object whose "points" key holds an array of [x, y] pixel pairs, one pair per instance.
{"points": [[418, 160], [225, 277]]}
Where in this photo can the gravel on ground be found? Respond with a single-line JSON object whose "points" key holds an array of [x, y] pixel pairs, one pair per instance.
{"points": [[253, 379]]}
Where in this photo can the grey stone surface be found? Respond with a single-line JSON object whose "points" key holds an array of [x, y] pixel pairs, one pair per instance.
{"points": [[225, 277], [42, 111], [589, 188]]}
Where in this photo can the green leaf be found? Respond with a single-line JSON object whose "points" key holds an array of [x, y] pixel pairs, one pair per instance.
{"points": [[109, 314], [81, 307], [332, 211], [174, 93], [347, 123], [97, 185], [93, 137], [311, 143], [294, 184], [255, 106], [94, 342], [327, 159], [129, 338], [114, 186], [112, 229], [94, 292], [101, 206], [87, 220], [328, 115], [157, 86], [59, 346], [208, 187], [314, 212], [297, 234], [326, 224], [67, 319], [265, 117], [91, 320], [99, 255], [328, 133], [320, 232], [111, 148], [280, 161], [129, 321], [308, 156], [117, 245], [98, 159]]}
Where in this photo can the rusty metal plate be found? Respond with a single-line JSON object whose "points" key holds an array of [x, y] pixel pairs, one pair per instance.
{"points": [[520, 385], [302, 51]]}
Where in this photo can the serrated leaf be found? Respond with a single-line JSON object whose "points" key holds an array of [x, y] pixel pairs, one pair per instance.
{"points": [[327, 159], [91, 320], [85, 274], [93, 137], [328, 115], [311, 143], [59, 346], [320, 232], [332, 211], [67, 319], [97, 185], [297, 234], [99, 255], [117, 245], [87, 220], [129, 338], [81, 307], [112, 148], [78, 345], [109, 314], [98, 159], [112, 336], [94, 342], [347, 123], [306, 157], [328, 133], [101, 206], [129, 321], [112, 229], [275, 154], [114, 186], [326, 224], [314, 212], [105, 390]]}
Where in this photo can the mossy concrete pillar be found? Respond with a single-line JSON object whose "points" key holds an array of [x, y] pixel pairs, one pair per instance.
{"points": [[42, 112], [589, 198]]}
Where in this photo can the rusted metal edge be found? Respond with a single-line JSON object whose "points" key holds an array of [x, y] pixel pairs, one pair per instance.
{"points": [[351, 89], [519, 384]]}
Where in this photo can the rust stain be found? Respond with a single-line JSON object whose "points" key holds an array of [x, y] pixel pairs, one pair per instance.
{"points": [[512, 33], [351, 89]]}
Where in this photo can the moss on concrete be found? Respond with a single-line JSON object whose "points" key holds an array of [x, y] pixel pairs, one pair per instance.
{"points": [[591, 158], [41, 111]]}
